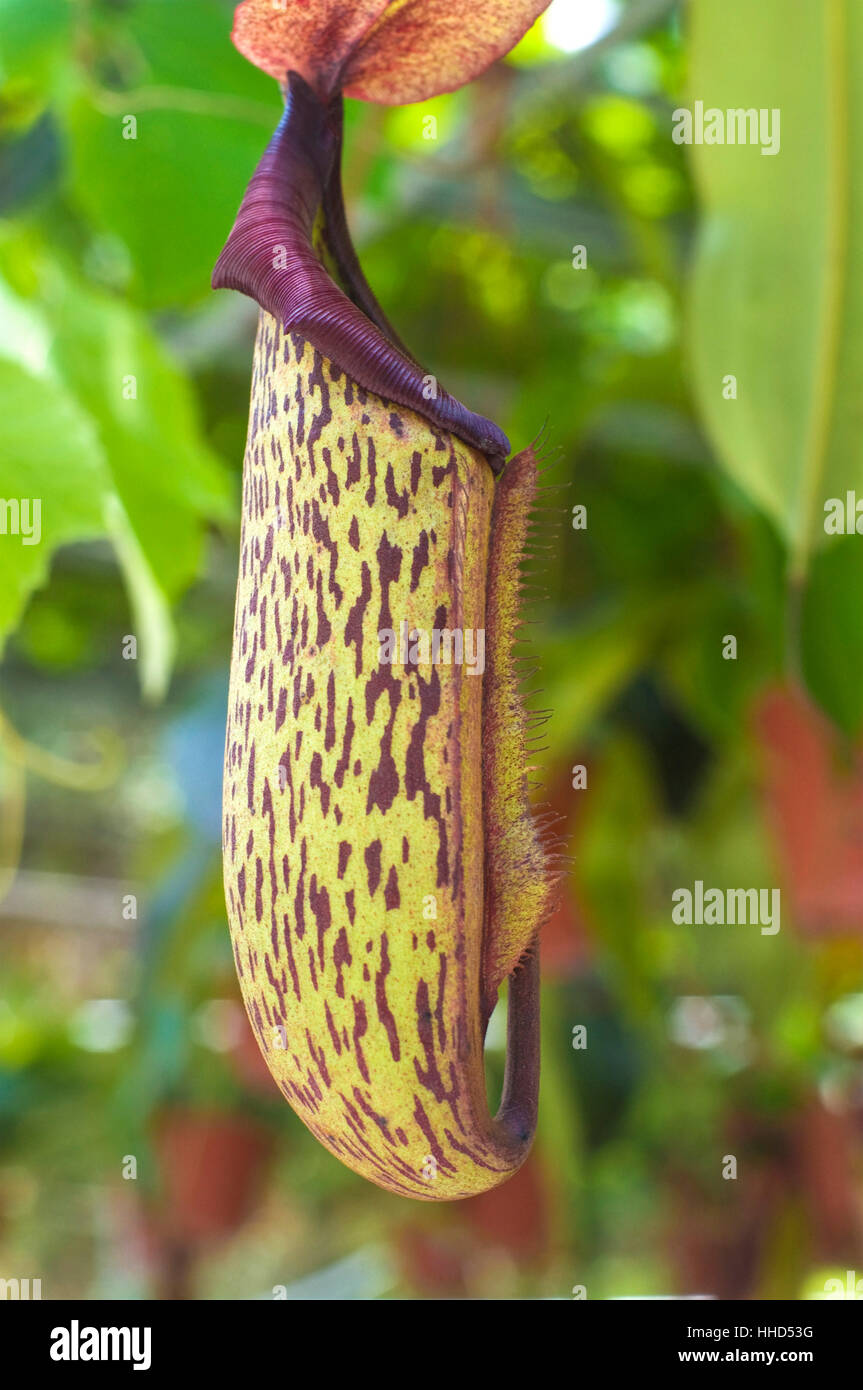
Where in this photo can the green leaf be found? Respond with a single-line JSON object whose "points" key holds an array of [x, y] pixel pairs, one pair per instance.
{"points": [[104, 419], [50, 454], [832, 633], [584, 667], [171, 195], [203, 118], [777, 293], [165, 475], [153, 624], [32, 36], [166, 35]]}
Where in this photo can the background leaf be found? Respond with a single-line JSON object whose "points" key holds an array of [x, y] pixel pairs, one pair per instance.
{"points": [[138, 467], [777, 297], [103, 351], [33, 35], [777, 292], [154, 628], [50, 451], [203, 119], [831, 632]]}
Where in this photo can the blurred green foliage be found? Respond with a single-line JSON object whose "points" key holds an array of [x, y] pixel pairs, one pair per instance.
{"points": [[123, 398]]}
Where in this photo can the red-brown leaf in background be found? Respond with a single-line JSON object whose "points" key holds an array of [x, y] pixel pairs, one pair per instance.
{"points": [[824, 1155], [566, 937], [388, 51], [212, 1165], [815, 809]]}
